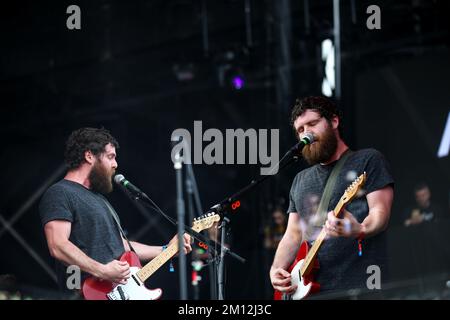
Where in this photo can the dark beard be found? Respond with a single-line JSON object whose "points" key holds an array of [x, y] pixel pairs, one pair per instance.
{"points": [[322, 150], [100, 179]]}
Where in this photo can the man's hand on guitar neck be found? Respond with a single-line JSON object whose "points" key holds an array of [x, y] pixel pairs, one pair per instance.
{"points": [[376, 221], [281, 280], [347, 226], [187, 242]]}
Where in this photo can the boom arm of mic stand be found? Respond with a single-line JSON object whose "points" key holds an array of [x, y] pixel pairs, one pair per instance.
{"points": [[223, 206]]}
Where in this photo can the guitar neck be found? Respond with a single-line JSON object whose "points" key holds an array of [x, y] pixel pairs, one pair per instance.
{"points": [[312, 253], [158, 261]]}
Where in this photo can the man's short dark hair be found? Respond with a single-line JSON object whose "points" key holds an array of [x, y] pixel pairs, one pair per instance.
{"points": [[420, 186], [325, 107], [86, 139]]}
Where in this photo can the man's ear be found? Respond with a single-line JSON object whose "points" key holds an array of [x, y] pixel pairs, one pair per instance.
{"points": [[89, 157], [335, 122]]}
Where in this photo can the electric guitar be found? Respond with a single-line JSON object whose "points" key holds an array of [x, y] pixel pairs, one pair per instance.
{"points": [[97, 289], [306, 263]]}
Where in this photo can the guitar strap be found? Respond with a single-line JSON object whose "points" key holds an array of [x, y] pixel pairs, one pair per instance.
{"points": [[322, 211], [116, 219]]}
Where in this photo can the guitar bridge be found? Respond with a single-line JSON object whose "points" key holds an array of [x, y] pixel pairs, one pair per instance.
{"points": [[118, 294], [112, 296]]}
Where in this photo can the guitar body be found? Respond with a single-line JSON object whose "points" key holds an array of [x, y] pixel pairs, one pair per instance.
{"points": [[306, 284], [134, 289]]}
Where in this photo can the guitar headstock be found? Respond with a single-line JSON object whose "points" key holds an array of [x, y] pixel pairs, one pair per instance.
{"points": [[205, 222], [353, 189]]}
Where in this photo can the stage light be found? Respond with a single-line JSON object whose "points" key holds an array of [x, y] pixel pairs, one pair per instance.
{"points": [[237, 82], [231, 66], [184, 72], [328, 83], [444, 146]]}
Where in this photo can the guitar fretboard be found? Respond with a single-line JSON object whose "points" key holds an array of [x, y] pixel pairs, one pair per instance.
{"points": [[159, 260]]}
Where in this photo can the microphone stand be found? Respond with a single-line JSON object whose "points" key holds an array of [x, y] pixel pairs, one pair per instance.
{"points": [[141, 196], [181, 218], [223, 251], [223, 208], [194, 201]]}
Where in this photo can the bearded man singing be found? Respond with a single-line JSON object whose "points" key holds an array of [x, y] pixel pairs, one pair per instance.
{"points": [[78, 220], [343, 263]]}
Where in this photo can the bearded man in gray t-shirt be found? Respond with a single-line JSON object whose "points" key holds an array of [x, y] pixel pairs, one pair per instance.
{"points": [[342, 259], [78, 220]]}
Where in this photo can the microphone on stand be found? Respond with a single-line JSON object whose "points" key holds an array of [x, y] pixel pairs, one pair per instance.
{"points": [[308, 138], [120, 180]]}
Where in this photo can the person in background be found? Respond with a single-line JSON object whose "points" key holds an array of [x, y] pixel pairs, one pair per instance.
{"points": [[423, 210]]}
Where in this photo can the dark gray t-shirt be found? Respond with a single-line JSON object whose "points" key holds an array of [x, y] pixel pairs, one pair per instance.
{"points": [[340, 265], [93, 228]]}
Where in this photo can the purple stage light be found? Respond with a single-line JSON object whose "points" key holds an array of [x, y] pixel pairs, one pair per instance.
{"points": [[238, 82]]}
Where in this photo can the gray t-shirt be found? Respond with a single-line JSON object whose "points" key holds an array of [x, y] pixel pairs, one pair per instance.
{"points": [[340, 265], [93, 229]]}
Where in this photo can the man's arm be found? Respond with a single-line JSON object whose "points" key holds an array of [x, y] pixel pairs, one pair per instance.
{"points": [[146, 252], [285, 255], [379, 202], [415, 218], [57, 233]]}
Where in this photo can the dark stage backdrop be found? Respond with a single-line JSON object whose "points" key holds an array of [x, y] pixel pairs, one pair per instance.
{"points": [[120, 71]]}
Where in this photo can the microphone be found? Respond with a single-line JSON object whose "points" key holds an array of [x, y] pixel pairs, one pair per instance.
{"points": [[308, 138], [120, 180]]}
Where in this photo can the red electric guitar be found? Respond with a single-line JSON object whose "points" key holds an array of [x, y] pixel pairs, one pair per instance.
{"points": [[134, 289], [306, 263]]}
